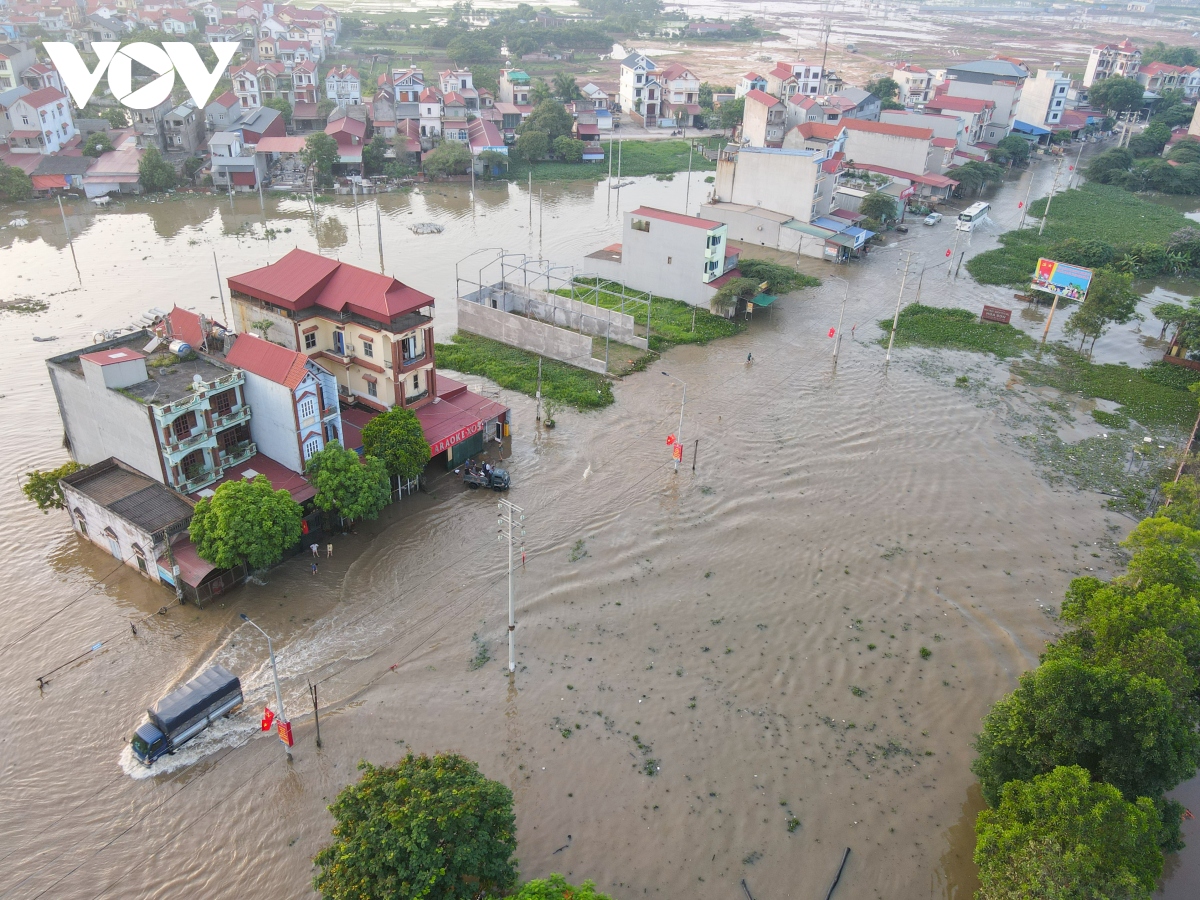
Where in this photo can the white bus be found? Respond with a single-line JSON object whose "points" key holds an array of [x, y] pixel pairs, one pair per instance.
{"points": [[972, 215]]}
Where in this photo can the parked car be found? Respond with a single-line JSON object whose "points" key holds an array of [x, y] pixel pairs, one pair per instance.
{"points": [[933, 218]]}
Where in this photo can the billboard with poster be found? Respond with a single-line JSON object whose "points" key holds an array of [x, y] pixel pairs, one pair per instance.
{"points": [[1070, 282]]}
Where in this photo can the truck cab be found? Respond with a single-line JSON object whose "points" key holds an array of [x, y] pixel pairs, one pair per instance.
{"points": [[149, 743]]}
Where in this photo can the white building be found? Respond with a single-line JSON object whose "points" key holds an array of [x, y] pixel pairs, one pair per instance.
{"points": [[1044, 99], [680, 96], [764, 120], [1108, 60], [343, 87], [789, 180], [41, 122], [900, 147], [431, 112], [256, 82], [915, 84], [751, 81], [790, 78], [668, 254], [294, 398], [640, 91]]}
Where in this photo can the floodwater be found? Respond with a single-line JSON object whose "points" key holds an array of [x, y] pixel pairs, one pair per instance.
{"points": [[734, 649]]}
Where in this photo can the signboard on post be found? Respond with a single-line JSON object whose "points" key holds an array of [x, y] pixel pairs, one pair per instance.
{"points": [[996, 314], [285, 733], [1061, 279]]}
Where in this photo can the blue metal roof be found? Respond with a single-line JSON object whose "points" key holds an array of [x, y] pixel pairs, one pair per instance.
{"points": [[1026, 128]]}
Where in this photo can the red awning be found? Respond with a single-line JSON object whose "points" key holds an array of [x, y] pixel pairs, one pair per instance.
{"points": [[693, 109], [24, 134], [445, 425], [587, 129], [192, 569], [49, 182], [243, 178]]}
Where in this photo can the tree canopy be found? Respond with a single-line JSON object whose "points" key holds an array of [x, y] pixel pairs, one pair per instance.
{"points": [[97, 143], [375, 155], [448, 158], [1116, 94], [245, 522], [42, 487], [565, 88], [321, 153], [348, 485], [14, 184], [550, 117], [731, 112], [878, 206], [156, 173], [568, 148], [557, 888], [428, 828], [1014, 149], [281, 104], [396, 438], [533, 145], [1065, 837], [1109, 299]]}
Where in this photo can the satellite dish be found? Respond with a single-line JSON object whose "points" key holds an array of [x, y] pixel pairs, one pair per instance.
{"points": [[197, 380]]}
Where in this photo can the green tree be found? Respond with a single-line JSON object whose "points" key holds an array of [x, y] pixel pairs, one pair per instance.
{"points": [[375, 155], [285, 109], [1184, 503], [396, 438], [567, 148], [539, 92], [348, 486], [1169, 314], [14, 184], [973, 176], [878, 206], [469, 49], [43, 489], [117, 117], [1126, 729], [730, 114], [156, 173], [192, 165], [557, 888], [428, 828], [549, 116], [245, 522], [1164, 552], [1013, 149], [1062, 836], [1116, 94], [97, 143], [1108, 164], [321, 153], [533, 145], [1172, 56], [884, 88], [1151, 141], [493, 159], [1109, 299], [448, 158], [565, 88]]}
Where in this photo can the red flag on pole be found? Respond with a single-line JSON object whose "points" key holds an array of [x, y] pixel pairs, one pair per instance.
{"points": [[947, 252], [670, 439], [1020, 204], [832, 332], [267, 719]]}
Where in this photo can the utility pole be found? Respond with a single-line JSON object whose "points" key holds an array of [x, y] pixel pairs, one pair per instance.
{"points": [[837, 342], [541, 220], [510, 516], [1025, 204], [538, 395], [1075, 168], [679, 431], [221, 294], [531, 201], [1053, 187], [312, 689], [687, 194], [379, 232], [896, 318], [957, 235], [283, 719]]}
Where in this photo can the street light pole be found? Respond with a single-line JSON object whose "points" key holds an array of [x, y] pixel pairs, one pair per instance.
{"points": [[679, 431], [507, 512], [837, 343], [275, 675]]}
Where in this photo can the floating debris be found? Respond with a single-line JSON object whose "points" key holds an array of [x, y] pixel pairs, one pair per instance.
{"points": [[42, 340], [426, 228], [19, 223]]}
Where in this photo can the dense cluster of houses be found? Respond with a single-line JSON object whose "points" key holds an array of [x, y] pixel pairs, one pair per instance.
{"points": [[161, 417]]}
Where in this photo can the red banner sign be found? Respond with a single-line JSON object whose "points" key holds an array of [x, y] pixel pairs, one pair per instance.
{"points": [[996, 314], [461, 435], [677, 451], [285, 733]]}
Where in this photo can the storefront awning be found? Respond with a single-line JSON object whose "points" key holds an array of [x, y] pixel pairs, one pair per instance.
{"points": [[763, 300]]}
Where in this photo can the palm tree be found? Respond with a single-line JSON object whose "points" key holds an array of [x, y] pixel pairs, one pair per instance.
{"points": [[565, 87]]}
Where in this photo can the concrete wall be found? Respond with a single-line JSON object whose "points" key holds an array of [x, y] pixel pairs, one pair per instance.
{"points": [[561, 311], [668, 261], [781, 180], [104, 423], [1005, 96], [98, 518], [273, 424], [1044, 98], [905, 154], [526, 334], [746, 225], [757, 127], [947, 126], [282, 330]]}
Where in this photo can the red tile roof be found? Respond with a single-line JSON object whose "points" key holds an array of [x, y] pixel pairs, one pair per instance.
{"points": [[962, 104], [281, 477], [782, 70], [822, 131], [762, 97], [944, 142], [902, 131], [304, 110], [673, 71], [1155, 67], [719, 283], [348, 125], [752, 76], [185, 326], [929, 179], [267, 360], [227, 99], [302, 279], [43, 97], [113, 356], [650, 212]]}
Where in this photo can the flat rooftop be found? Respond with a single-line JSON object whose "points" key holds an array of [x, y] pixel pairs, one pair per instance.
{"points": [[167, 383]]}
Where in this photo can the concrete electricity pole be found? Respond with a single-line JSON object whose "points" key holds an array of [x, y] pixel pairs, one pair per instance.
{"points": [[1053, 188], [896, 318], [679, 432], [510, 516], [837, 343], [283, 719]]}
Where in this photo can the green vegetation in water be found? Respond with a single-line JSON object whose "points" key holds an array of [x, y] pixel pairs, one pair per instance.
{"points": [[670, 320], [1118, 467], [517, 370], [24, 306], [482, 654], [956, 329], [1110, 420], [637, 158], [1094, 214], [578, 552], [1156, 396]]}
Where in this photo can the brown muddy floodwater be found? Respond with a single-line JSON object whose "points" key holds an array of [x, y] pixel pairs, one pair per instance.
{"points": [[702, 658]]}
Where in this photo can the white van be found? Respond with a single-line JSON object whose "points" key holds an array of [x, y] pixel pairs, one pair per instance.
{"points": [[972, 215]]}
